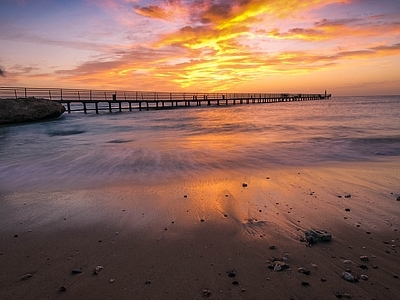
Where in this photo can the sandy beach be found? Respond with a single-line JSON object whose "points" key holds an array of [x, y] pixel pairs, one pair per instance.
{"points": [[208, 237]]}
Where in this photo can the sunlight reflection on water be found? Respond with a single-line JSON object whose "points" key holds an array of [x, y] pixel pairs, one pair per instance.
{"points": [[80, 149]]}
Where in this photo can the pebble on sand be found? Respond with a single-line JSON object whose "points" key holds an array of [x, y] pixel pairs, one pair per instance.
{"points": [[97, 270], [348, 277], [206, 293], [62, 288]]}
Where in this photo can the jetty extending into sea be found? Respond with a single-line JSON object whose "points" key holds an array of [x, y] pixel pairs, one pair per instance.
{"points": [[84, 100]]}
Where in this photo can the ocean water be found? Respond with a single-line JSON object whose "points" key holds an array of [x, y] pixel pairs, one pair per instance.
{"points": [[78, 150]]}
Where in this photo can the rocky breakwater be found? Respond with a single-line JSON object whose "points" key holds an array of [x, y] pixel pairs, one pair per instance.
{"points": [[28, 110]]}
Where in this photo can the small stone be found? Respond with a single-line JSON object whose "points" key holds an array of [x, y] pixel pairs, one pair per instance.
{"points": [[231, 273], [347, 209], [62, 288], [315, 236], [347, 196], [323, 279], [305, 283], [97, 270], [76, 271], [244, 184], [364, 277], [272, 247], [398, 198], [368, 232], [277, 267], [346, 295], [206, 293], [26, 276], [184, 196], [235, 282], [147, 282], [364, 258], [364, 267], [338, 295], [117, 233], [348, 277], [304, 271], [347, 261], [202, 220], [112, 280], [15, 235]]}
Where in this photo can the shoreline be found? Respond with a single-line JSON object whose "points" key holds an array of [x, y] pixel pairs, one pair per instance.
{"points": [[182, 240]]}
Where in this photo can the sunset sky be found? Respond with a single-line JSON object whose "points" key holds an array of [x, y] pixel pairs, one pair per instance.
{"points": [[348, 47]]}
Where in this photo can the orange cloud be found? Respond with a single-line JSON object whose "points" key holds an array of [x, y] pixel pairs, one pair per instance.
{"points": [[331, 29], [154, 12]]}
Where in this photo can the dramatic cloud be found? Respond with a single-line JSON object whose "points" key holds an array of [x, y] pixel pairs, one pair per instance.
{"points": [[209, 45]]}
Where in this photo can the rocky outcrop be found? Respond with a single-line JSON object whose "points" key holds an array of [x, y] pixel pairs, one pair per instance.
{"points": [[28, 110]]}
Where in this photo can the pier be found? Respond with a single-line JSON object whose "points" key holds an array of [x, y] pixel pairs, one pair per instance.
{"points": [[82, 100]]}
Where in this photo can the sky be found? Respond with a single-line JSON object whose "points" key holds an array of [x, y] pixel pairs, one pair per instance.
{"points": [[347, 47]]}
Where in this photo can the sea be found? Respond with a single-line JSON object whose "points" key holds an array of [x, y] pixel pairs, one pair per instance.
{"points": [[81, 150]]}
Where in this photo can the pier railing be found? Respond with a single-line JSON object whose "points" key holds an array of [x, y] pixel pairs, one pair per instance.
{"points": [[139, 99]]}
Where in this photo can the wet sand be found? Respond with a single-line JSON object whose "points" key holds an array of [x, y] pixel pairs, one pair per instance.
{"points": [[209, 237]]}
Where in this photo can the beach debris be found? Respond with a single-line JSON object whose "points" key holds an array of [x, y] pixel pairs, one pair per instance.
{"points": [[364, 258], [26, 276], [277, 265], [76, 271], [342, 295], [62, 288], [304, 271], [231, 273], [348, 277], [244, 184], [315, 236], [97, 270], [347, 261], [364, 277], [206, 293]]}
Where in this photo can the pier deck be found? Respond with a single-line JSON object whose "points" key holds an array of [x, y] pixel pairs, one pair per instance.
{"points": [[106, 100]]}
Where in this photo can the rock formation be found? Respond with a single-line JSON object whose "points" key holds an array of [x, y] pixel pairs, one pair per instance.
{"points": [[28, 110]]}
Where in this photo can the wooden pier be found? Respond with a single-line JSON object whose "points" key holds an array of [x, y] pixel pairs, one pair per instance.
{"points": [[106, 100]]}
